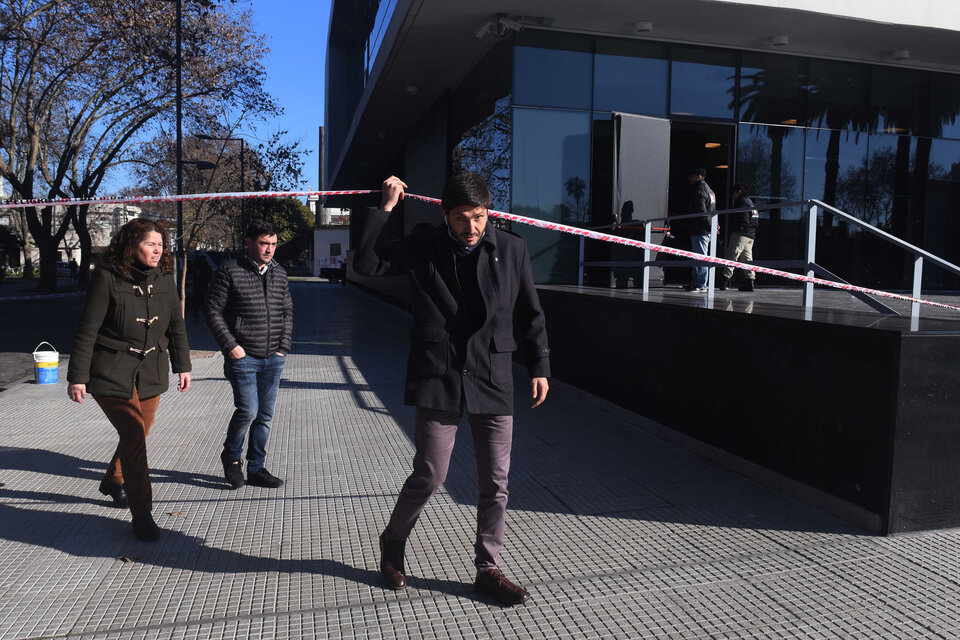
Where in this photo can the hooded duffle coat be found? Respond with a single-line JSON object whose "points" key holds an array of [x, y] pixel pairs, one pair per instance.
{"points": [[131, 331]]}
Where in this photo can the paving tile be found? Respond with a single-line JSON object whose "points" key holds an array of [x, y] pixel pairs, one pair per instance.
{"points": [[615, 532]]}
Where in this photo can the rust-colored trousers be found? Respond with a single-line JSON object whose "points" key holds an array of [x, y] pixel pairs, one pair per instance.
{"points": [[132, 419]]}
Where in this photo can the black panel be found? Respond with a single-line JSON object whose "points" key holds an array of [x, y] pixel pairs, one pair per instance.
{"points": [[813, 401], [926, 473]]}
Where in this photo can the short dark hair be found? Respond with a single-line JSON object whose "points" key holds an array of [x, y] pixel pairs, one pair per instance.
{"points": [[259, 228], [742, 186], [698, 171], [465, 189]]}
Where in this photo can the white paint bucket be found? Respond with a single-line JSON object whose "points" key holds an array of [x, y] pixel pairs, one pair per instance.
{"points": [[46, 365]]}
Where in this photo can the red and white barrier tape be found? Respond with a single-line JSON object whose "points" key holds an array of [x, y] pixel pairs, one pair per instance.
{"points": [[606, 237], [534, 222], [191, 197]]}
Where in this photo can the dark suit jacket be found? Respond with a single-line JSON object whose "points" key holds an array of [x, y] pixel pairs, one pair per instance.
{"points": [[437, 375]]}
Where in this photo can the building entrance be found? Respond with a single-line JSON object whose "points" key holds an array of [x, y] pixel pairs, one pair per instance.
{"points": [[709, 146]]}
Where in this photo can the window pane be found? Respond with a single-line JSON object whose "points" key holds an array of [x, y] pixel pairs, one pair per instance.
{"points": [[830, 155], [770, 89], [945, 106], [898, 100], [836, 95], [941, 224], [835, 172], [485, 149], [702, 83], [552, 69], [771, 160], [630, 76], [551, 181]]}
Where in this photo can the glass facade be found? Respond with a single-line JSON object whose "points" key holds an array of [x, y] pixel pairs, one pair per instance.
{"points": [[703, 83], [881, 143], [551, 181]]}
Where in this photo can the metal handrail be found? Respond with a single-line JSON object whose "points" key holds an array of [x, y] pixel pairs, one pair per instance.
{"points": [[810, 266], [866, 226]]}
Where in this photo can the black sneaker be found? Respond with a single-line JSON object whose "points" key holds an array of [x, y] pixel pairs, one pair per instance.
{"points": [[233, 472], [263, 478]]}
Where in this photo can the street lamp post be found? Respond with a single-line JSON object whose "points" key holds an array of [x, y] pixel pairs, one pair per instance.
{"points": [[180, 256], [243, 211]]}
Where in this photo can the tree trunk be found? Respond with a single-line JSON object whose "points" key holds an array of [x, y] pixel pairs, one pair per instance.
{"points": [[86, 244]]}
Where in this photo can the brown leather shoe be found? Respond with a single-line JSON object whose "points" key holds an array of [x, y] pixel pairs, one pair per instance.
{"points": [[391, 563], [493, 583]]}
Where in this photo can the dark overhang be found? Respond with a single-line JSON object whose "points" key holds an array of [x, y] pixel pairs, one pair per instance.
{"points": [[432, 44]]}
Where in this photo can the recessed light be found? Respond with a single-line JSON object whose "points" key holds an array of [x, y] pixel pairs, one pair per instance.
{"points": [[712, 145]]}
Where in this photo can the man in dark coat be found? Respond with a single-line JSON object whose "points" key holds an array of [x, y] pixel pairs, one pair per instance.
{"points": [[250, 313], [467, 280], [701, 199]]}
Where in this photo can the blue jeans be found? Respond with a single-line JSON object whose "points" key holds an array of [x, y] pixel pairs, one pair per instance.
{"points": [[255, 382], [699, 244]]}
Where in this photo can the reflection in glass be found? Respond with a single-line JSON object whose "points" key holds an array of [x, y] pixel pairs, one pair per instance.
{"points": [[552, 69], [868, 192], [896, 101], [945, 105], [829, 154], [770, 89], [485, 149], [941, 224], [702, 82], [835, 95], [771, 159], [551, 172], [631, 76]]}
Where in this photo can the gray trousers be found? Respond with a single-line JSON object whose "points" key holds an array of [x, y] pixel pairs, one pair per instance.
{"points": [[435, 432]]}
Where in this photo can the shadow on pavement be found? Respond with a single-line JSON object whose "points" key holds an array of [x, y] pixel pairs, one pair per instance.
{"points": [[59, 464], [569, 457]]}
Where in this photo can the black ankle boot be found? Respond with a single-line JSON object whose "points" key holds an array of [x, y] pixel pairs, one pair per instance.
{"points": [[724, 284], [391, 563], [145, 528], [116, 492]]}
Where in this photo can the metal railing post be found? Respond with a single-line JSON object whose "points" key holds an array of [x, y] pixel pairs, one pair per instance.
{"points": [[811, 255], [712, 252], [648, 238], [917, 289], [580, 270]]}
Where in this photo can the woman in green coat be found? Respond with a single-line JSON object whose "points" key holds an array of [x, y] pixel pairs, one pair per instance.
{"points": [[131, 331]]}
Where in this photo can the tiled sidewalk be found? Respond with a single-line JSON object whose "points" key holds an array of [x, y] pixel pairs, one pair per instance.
{"points": [[616, 533]]}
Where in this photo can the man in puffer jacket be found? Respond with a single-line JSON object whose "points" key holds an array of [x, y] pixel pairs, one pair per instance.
{"points": [[250, 313]]}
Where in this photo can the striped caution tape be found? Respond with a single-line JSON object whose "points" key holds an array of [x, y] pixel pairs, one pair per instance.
{"points": [[534, 222]]}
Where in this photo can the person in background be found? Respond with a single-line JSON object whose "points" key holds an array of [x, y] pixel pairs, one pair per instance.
{"points": [[130, 333], [742, 235], [201, 283], [701, 199], [250, 313]]}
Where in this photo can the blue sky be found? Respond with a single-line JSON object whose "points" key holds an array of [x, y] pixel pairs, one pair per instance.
{"points": [[296, 33]]}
